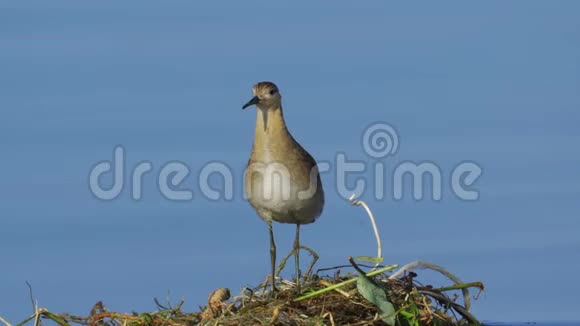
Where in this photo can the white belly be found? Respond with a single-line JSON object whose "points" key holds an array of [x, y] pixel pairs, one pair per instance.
{"points": [[270, 190]]}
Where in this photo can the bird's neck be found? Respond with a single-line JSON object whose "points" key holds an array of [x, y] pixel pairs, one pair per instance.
{"points": [[270, 127]]}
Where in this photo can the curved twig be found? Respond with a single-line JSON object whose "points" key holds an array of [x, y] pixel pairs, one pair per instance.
{"points": [[461, 310], [422, 264], [375, 229]]}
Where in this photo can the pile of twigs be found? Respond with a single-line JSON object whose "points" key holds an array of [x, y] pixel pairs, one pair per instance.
{"points": [[326, 300]]}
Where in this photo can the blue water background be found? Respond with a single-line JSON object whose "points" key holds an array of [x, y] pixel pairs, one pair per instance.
{"points": [[494, 83]]}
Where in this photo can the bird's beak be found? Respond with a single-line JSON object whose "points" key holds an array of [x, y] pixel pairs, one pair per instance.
{"points": [[255, 100]]}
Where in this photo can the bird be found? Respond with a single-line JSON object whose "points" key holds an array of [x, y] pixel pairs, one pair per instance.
{"points": [[281, 180]]}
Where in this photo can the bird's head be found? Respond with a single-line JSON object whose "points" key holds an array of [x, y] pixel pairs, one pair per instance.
{"points": [[266, 96]]}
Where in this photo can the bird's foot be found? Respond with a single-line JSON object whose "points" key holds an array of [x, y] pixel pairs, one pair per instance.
{"points": [[308, 273], [273, 294], [273, 289], [298, 289]]}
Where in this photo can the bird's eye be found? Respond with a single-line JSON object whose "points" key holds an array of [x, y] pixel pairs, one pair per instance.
{"points": [[274, 91]]}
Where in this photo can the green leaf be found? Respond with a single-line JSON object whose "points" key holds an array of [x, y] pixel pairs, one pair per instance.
{"points": [[147, 318], [370, 259], [376, 295]]}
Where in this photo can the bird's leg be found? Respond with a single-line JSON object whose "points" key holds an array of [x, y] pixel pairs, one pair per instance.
{"points": [[272, 256], [297, 256]]}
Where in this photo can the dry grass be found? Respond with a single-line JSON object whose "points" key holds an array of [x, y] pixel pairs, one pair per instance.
{"points": [[415, 304]]}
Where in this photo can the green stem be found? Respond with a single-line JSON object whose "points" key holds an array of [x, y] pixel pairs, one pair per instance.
{"points": [[341, 284], [55, 318], [26, 320], [462, 286]]}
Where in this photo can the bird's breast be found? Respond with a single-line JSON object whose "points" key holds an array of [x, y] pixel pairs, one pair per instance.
{"points": [[277, 193], [281, 180]]}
